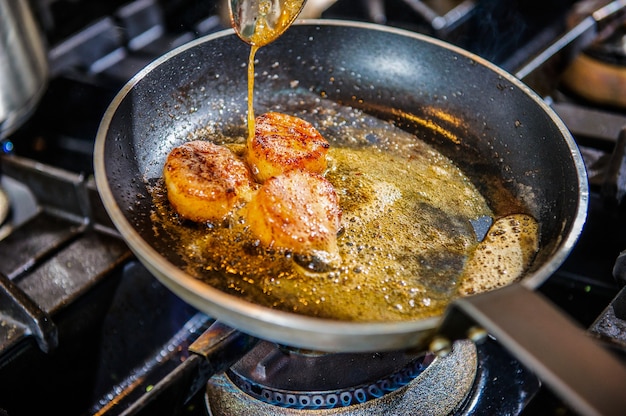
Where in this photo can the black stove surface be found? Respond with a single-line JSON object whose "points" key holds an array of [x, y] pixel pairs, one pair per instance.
{"points": [[117, 356]]}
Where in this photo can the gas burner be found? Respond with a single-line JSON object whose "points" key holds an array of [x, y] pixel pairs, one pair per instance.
{"points": [[310, 380], [598, 74], [272, 380]]}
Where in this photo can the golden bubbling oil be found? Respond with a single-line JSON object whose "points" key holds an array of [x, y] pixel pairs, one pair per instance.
{"points": [[407, 243]]}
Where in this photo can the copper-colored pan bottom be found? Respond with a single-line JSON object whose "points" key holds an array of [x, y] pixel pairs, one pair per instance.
{"points": [[597, 81]]}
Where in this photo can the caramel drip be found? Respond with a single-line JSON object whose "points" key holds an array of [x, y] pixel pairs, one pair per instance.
{"points": [[253, 50]]}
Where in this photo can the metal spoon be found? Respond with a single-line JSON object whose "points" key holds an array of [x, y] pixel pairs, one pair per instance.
{"points": [[259, 22]]}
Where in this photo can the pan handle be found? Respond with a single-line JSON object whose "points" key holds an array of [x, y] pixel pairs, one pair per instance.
{"points": [[587, 377]]}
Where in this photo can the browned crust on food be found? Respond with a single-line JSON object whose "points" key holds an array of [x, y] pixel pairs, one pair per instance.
{"points": [[205, 181], [283, 142]]}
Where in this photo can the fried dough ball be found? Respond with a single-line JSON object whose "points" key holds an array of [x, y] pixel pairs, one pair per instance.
{"points": [[283, 142], [297, 211], [205, 182]]}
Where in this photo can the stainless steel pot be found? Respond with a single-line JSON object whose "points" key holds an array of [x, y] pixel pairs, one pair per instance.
{"points": [[23, 64]]}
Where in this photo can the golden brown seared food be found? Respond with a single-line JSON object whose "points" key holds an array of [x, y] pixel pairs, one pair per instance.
{"points": [[297, 211], [205, 182], [283, 142]]}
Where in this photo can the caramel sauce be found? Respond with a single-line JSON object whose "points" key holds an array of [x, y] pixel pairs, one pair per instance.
{"points": [[259, 27], [251, 116]]}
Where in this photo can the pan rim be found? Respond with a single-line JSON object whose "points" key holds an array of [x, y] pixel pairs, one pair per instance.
{"points": [[291, 328]]}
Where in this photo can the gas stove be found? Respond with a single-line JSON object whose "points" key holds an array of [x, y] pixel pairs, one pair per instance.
{"points": [[86, 329]]}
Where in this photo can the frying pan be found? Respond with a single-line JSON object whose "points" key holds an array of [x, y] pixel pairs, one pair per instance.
{"points": [[501, 130], [506, 131]]}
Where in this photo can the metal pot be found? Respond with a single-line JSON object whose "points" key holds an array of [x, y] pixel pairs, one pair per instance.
{"points": [[504, 129], [23, 64]]}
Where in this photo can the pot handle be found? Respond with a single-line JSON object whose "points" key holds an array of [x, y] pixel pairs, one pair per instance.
{"points": [[587, 377]]}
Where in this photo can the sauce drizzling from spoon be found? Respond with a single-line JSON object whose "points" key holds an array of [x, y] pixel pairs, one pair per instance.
{"points": [[258, 23]]}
